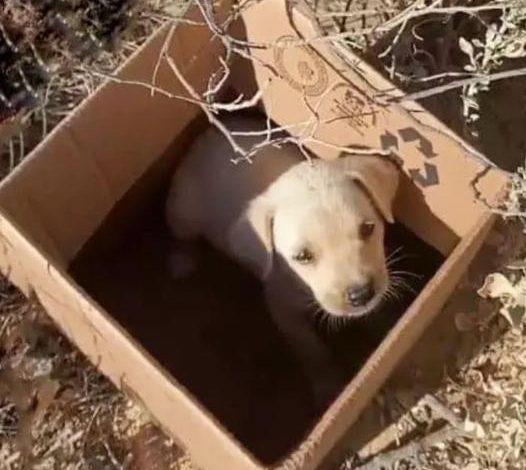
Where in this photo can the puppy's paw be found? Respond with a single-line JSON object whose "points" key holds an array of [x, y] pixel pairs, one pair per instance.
{"points": [[182, 264]]}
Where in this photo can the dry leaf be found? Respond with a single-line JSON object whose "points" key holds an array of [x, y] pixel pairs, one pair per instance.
{"points": [[466, 47], [474, 429], [514, 314], [47, 391], [496, 286]]}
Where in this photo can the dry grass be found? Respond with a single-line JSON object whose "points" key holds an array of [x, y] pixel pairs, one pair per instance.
{"points": [[56, 411]]}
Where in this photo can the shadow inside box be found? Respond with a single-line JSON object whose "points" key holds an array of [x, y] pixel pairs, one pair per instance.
{"points": [[212, 332]]}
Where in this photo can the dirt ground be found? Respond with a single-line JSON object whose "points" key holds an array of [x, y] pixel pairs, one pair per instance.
{"points": [[457, 402]]}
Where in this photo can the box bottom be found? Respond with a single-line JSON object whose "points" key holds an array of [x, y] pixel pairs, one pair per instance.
{"points": [[212, 332]]}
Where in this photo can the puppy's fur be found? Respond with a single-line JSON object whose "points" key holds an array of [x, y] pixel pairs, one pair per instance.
{"points": [[311, 231]]}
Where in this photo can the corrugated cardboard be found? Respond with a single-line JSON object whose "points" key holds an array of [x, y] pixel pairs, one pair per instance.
{"points": [[61, 195]]}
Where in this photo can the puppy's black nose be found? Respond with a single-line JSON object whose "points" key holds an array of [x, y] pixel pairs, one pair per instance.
{"points": [[358, 295]]}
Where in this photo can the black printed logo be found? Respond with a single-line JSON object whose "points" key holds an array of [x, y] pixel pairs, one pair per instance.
{"points": [[300, 66], [429, 177], [426, 176], [352, 108], [410, 134]]}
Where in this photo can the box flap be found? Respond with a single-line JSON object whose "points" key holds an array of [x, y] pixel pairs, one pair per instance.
{"points": [[334, 103], [66, 187]]}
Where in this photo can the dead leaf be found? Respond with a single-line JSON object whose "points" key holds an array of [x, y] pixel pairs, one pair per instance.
{"points": [[466, 47], [473, 428], [47, 391], [496, 286], [514, 314]]}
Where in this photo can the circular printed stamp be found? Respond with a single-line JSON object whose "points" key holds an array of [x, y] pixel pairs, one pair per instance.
{"points": [[300, 66]]}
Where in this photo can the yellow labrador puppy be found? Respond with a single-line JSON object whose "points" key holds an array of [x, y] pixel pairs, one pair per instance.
{"points": [[312, 231]]}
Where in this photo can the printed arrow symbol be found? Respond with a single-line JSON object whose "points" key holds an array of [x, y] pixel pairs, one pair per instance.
{"points": [[410, 134], [429, 179], [388, 140]]}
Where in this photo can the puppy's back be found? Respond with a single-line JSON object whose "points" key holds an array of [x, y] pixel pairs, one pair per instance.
{"points": [[209, 191]]}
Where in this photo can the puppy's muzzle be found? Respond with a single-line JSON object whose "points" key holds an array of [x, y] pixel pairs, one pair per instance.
{"points": [[360, 295]]}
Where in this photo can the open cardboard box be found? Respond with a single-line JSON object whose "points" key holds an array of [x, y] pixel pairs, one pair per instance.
{"points": [[80, 226]]}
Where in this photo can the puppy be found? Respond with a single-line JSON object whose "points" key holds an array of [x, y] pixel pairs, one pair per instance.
{"points": [[312, 231]]}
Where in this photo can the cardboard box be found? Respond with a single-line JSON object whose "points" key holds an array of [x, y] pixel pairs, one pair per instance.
{"points": [[79, 227]]}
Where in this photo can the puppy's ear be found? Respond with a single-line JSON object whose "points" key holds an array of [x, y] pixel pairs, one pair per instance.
{"points": [[379, 176], [251, 236]]}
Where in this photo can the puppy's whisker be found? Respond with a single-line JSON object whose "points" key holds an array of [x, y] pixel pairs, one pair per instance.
{"points": [[395, 277], [398, 284], [402, 275], [392, 293], [394, 252], [395, 256], [401, 284], [336, 323], [310, 302], [405, 273], [323, 319], [330, 323], [392, 261], [388, 296]]}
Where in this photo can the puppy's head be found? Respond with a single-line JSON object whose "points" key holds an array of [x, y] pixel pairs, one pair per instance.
{"points": [[326, 220]]}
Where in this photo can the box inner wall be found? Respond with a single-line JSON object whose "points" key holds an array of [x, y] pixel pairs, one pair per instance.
{"points": [[211, 330]]}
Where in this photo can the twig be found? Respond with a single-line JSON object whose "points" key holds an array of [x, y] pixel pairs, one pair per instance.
{"points": [[211, 118], [116, 464], [351, 14], [138, 83], [21, 146], [213, 90], [239, 104], [352, 150], [418, 95], [441, 410], [12, 158], [424, 11], [443, 75], [406, 15], [162, 53], [412, 449]]}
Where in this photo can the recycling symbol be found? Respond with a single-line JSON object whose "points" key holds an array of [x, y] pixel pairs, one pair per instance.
{"points": [[426, 176]]}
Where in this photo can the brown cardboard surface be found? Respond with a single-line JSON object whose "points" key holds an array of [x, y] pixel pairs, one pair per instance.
{"points": [[117, 354], [313, 79], [119, 145]]}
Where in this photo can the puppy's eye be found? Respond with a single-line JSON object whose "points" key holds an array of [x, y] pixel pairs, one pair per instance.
{"points": [[366, 230], [304, 256]]}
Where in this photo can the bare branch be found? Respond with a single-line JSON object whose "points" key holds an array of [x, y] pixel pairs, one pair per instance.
{"points": [[138, 83], [410, 451], [209, 114], [418, 95]]}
